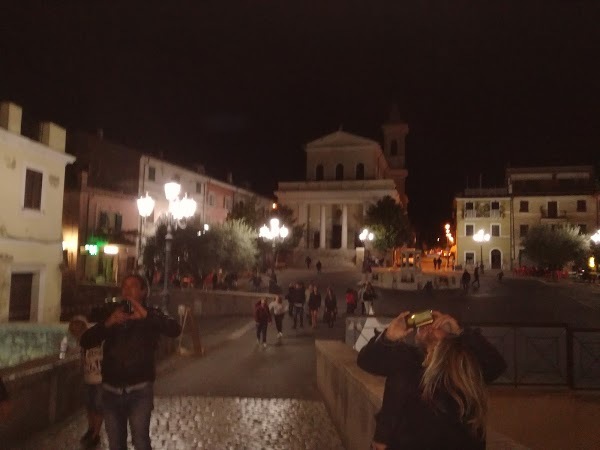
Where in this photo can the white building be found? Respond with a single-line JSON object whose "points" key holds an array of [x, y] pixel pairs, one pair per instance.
{"points": [[31, 194], [345, 174]]}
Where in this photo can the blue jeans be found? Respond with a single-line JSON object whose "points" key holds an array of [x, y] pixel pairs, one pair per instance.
{"points": [[136, 407]]}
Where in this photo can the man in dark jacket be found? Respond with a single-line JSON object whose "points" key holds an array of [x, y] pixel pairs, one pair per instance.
{"points": [[129, 337], [404, 421]]}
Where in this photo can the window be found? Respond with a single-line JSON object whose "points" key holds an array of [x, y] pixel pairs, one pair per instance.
{"points": [[360, 171], [103, 222], [198, 187], [582, 228], [151, 173], [523, 206], [118, 222], [394, 147], [339, 172], [469, 258], [523, 230], [469, 230], [319, 172], [496, 230], [33, 189], [469, 206], [211, 199], [581, 206], [495, 206]]}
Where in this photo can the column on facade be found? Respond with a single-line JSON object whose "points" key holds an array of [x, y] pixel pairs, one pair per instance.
{"points": [[303, 220], [5, 279], [322, 233], [344, 227]]}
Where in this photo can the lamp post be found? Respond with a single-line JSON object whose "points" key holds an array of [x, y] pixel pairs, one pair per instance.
{"points": [[366, 236], [272, 233], [179, 210], [481, 237]]}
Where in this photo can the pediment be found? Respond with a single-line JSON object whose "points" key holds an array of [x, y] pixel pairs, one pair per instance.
{"points": [[341, 139]]}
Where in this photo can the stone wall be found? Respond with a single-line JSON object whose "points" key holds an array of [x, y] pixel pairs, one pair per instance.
{"points": [[25, 341], [217, 303], [47, 390], [353, 397]]}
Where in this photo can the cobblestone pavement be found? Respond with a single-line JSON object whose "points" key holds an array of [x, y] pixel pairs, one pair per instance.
{"points": [[181, 423]]}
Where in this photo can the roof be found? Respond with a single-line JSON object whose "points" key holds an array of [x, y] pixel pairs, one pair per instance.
{"points": [[340, 139]]}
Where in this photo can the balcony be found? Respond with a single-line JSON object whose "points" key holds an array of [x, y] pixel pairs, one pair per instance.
{"points": [[483, 214], [553, 215]]}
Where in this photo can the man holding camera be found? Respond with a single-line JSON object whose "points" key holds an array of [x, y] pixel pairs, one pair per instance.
{"points": [[130, 335]]}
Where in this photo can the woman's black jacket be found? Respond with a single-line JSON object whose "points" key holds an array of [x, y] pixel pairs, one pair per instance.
{"points": [[405, 421]]}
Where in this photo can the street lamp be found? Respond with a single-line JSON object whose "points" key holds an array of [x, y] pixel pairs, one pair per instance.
{"points": [[596, 237], [179, 210], [481, 237], [272, 233], [366, 235]]}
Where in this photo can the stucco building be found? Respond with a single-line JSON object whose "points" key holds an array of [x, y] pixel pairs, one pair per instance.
{"points": [[31, 193], [532, 196], [345, 174]]}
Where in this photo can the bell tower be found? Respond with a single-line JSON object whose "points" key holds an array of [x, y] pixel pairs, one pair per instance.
{"points": [[395, 130]]}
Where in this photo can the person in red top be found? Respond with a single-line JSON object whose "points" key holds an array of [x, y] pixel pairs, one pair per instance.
{"points": [[262, 317], [351, 301]]}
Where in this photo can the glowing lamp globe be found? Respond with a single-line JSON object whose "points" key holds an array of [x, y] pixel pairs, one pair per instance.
{"points": [[172, 190], [145, 205]]}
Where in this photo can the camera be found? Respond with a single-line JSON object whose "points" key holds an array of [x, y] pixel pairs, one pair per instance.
{"points": [[419, 319], [101, 313]]}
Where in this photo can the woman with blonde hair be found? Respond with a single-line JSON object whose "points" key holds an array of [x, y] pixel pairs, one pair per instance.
{"points": [[435, 395]]}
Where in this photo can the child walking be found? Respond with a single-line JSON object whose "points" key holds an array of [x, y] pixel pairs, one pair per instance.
{"points": [[91, 361]]}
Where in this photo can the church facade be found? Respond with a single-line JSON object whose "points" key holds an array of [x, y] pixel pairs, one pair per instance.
{"points": [[345, 174]]}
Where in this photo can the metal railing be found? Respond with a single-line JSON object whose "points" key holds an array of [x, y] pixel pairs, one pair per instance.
{"points": [[535, 354]]}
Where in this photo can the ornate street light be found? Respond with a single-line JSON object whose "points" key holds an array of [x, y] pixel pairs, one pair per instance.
{"points": [[179, 210], [273, 233], [596, 237], [481, 237], [366, 235]]}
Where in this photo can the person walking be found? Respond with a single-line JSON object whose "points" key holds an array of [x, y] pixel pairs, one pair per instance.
{"points": [[476, 276], [369, 295], [289, 297], [351, 297], [278, 307], [262, 317], [91, 361], [129, 336], [330, 307], [298, 299], [308, 261], [319, 266], [466, 280], [314, 304]]}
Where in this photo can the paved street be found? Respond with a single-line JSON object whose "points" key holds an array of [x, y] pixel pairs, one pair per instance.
{"points": [[241, 396]]}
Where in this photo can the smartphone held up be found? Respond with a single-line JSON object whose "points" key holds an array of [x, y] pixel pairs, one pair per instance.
{"points": [[419, 319]]}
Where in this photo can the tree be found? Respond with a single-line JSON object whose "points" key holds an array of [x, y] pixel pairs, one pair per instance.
{"points": [[553, 248], [230, 246], [248, 212], [388, 221]]}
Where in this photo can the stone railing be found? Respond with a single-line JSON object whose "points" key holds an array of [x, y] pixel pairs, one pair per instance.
{"points": [[46, 390], [217, 303], [25, 341], [353, 396]]}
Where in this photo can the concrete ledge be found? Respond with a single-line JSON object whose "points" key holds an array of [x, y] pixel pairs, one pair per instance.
{"points": [[353, 396], [218, 303]]}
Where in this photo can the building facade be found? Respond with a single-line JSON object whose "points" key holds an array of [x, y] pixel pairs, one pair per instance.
{"points": [[483, 212], [532, 196], [31, 193], [345, 174], [552, 196]]}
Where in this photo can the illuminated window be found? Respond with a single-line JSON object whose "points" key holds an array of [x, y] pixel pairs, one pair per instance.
{"points": [[33, 189], [319, 173]]}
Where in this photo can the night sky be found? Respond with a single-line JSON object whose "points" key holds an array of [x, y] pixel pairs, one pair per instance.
{"points": [[243, 85]]}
